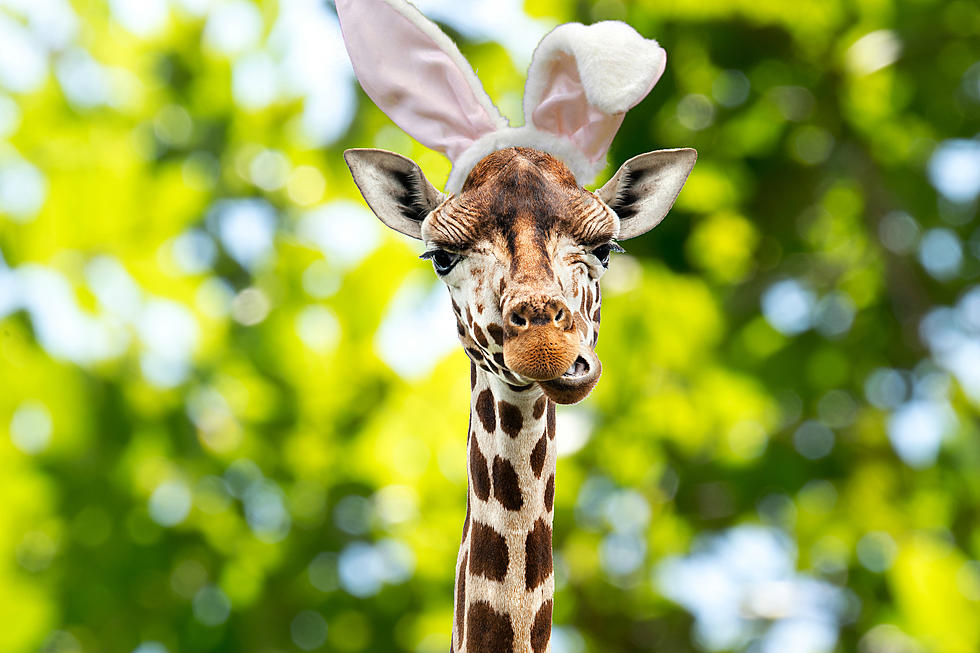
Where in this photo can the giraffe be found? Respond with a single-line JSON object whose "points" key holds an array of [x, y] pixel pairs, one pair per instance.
{"points": [[521, 247]]}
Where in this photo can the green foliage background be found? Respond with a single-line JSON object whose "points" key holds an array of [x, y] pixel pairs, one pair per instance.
{"points": [[213, 511]]}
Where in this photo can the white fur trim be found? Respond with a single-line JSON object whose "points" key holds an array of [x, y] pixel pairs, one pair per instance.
{"points": [[618, 67], [447, 45], [527, 136]]}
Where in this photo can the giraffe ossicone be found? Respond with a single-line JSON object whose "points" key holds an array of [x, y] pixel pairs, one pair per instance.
{"points": [[521, 245]]}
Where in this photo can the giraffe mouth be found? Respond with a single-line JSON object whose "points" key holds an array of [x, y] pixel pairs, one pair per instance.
{"points": [[578, 380]]}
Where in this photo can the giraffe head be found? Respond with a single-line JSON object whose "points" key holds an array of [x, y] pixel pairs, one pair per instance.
{"points": [[522, 248]]}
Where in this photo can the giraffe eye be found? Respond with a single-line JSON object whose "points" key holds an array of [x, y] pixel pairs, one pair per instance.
{"points": [[602, 252], [442, 260]]}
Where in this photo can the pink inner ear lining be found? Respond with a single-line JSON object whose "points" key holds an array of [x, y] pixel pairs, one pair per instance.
{"points": [[411, 77], [565, 110]]}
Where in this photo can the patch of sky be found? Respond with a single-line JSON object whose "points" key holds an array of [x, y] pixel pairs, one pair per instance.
{"points": [[61, 326], [504, 21], [255, 81], [954, 169], [194, 7], [23, 187], [813, 440], [625, 515], [265, 511], [246, 228], [86, 83], [233, 27], [941, 253], [170, 502], [741, 586], [575, 424], [314, 65], [364, 568], [344, 231], [194, 251], [241, 475], [917, 429], [23, 61], [53, 23], [418, 328], [169, 333], [788, 306], [9, 116], [352, 514], [10, 299], [269, 170], [143, 18], [116, 291], [566, 639], [952, 335], [886, 388], [167, 330], [833, 314], [876, 550]]}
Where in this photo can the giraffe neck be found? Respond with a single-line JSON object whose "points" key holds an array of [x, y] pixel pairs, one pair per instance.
{"points": [[504, 579]]}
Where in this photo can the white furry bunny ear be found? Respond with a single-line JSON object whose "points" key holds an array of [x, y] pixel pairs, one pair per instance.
{"points": [[583, 80], [416, 75]]}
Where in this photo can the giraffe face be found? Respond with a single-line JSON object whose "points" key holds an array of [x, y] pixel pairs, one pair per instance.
{"points": [[522, 249]]}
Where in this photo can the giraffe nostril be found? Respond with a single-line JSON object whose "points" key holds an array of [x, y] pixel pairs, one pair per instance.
{"points": [[517, 320], [559, 316]]}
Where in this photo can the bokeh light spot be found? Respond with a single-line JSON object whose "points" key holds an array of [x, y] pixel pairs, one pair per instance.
{"points": [[941, 253], [788, 306], [876, 551], [318, 328], [23, 189], [170, 502], [31, 427], [308, 630], [813, 440], [954, 169], [899, 232], [233, 27], [211, 606]]}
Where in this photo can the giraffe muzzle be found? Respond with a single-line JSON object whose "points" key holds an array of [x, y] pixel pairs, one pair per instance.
{"points": [[541, 352], [540, 339], [578, 380]]}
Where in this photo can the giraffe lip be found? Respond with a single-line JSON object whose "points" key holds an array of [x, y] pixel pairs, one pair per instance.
{"points": [[577, 382], [577, 369]]}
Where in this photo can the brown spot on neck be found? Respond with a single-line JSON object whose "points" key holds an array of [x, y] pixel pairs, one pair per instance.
{"points": [[487, 630], [537, 555], [541, 628], [489, 556], [506, 485], [485, 411]]}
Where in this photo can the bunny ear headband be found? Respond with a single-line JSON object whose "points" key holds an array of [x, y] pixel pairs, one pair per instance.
{"points": [[581, 82]]}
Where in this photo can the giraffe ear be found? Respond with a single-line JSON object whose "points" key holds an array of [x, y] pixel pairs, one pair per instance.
{"points": [[645, 187], [394, 187]]}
